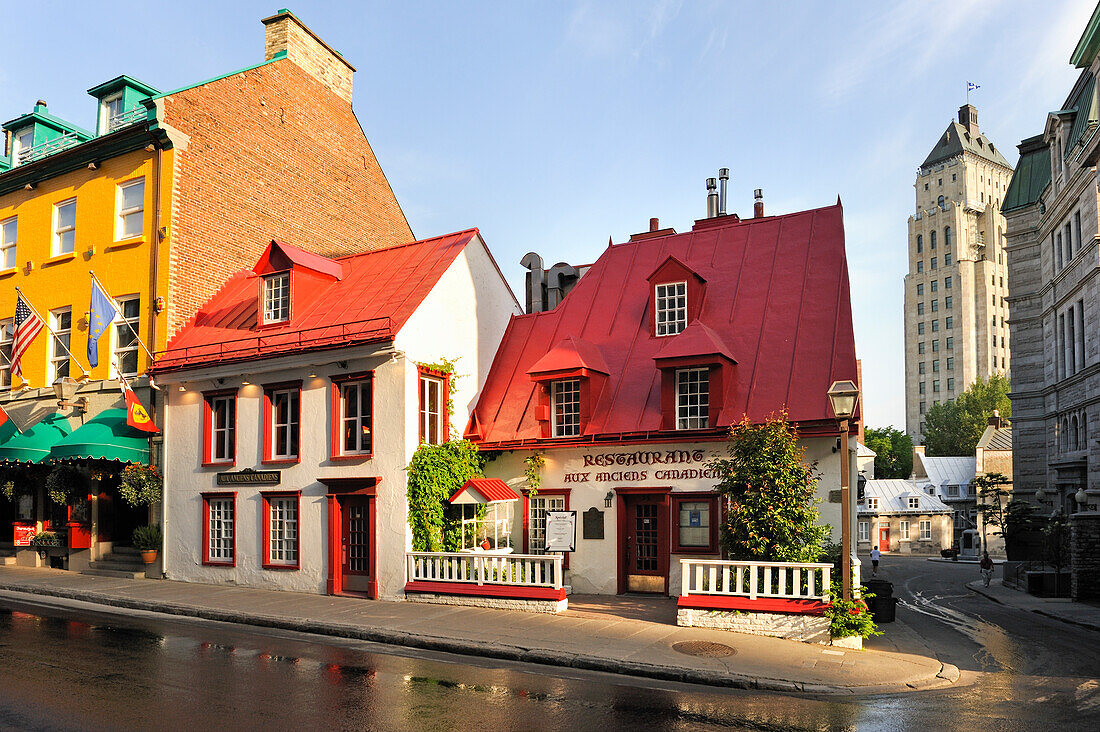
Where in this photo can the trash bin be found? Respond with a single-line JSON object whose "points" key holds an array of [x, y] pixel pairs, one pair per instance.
{"points": [[883, 605]]}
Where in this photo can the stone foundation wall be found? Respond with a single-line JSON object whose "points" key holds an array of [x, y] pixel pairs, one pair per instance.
{"points": [[501, 603], [1085, 555], [809, 628]]}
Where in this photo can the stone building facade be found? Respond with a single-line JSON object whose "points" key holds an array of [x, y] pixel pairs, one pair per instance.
{"points": [[1054, 270], [955, 312]]}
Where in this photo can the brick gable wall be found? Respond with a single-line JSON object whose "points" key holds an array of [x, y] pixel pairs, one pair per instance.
{"points": [[273, 154]]}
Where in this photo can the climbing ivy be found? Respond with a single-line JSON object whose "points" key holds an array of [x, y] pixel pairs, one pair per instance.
{"points": [[434, 474], [447, 366], [533, 465]]}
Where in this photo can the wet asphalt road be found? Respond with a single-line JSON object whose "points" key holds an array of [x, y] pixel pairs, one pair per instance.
{"points": [[74, 668]]}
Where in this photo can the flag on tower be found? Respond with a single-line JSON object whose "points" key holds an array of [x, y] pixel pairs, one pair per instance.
{"points": [[971, 86], [27, 326], [102, 312]]}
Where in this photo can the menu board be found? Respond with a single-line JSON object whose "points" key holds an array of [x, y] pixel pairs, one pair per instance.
{"points": [[23, 534], [561, 531]]}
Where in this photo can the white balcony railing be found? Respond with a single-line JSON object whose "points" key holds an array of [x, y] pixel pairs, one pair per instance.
{"points": [[510, 570], [756, 580], [126, 119], [42, 149]]}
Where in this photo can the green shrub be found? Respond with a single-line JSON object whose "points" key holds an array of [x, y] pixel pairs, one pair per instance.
{"points": [[849, 618], [435, 473], [64, 483], [45, 539], [147, 538]]}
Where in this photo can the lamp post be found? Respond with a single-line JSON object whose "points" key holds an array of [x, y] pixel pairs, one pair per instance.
{"points": [[843, 396]]}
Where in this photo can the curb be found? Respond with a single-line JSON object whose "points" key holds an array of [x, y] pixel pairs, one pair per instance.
{"points": [[1037, 611], [946, 675]]}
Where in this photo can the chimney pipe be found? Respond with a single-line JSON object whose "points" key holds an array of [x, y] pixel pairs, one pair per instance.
{"points": [[654, 224], [712, 198], [758, 203], [723, 176]]}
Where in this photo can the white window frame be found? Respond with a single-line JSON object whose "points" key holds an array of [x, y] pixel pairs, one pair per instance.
{"points": [[276, 298], [219, 531], [670, 308], [913, 502], [537, 506], [7, 336], [925, 528], [9, 238], [17, 145], [864, 531], [291, 426], [362, 424], [565, 408], [282, 530], [693, 407], [872, 503], [58, 336], [59, 231], [126, 214], [120, 328], [105, 111], [432, 419], [494, 524], [224, 437], [904, 530]]}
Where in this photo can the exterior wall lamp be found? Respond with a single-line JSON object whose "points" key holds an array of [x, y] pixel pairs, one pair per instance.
{"points": [[609, 499], [843, 397]]}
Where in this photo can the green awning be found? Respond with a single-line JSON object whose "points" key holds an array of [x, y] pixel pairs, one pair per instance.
{"points": [[105, 436], [34, 444], [8, 430]]}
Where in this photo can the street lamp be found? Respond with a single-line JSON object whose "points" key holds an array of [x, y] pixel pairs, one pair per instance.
{"points": [[843, 396]]}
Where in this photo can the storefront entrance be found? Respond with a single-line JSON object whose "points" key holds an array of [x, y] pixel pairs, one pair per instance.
{"points": [[352, 522], [643, 542], [356, 544]]}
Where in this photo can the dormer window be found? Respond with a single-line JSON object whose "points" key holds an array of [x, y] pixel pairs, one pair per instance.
{"points": [[914, 502], [277, 298], [565, 404], [692, 399], [111, 109], [671, 308], [22, 141]]}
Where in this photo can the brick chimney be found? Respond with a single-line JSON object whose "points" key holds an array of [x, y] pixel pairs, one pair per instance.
{"points": [[995, 420], [284, 32], [968, 118]]}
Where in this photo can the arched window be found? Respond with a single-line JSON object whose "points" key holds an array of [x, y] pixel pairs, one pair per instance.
{"points": [[947, 236], [932, 240], [942, 207], [1073, 435], [920, 243]]}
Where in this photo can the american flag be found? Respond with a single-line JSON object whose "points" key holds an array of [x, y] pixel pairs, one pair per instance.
{"points": [[27, 327]]}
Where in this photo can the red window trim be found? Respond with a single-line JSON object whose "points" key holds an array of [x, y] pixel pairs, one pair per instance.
{"points": [[527, 516], [206, 496], [715, 392], [444, 393], [266, 559], [260, 324], [268, 431], [208, 460], [674, 520], [336, 437]]}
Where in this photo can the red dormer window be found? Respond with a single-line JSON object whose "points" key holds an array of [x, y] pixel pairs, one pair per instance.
{"points": [[276, 298], [677, 297], [565, 409], [670, 315], [693, 399]]}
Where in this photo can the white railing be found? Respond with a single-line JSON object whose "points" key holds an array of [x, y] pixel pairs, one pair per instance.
{"points": [[42, 149], [511, 570], [138, 114], [755, 580]]}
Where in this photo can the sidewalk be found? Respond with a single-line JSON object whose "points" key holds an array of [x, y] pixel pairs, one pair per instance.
{"points": [[1085, 615], [598, 642]]}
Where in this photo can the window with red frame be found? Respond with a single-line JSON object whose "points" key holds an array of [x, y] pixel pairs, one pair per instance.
{"points": [[219, 528], [282, 416], [220, 424], [433, 409], [692, 399], [565, 407], [695, 524], [281, 530], [670, 305], [353, 405]]}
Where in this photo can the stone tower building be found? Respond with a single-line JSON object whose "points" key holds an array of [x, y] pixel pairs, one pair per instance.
{"points": [[955, 314]]}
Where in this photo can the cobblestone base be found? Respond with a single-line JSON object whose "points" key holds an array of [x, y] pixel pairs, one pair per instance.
{"points": [[501, 603], [809, 628]]}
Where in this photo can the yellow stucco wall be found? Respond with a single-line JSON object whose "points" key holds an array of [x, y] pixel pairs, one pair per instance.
{"points": [[124, 267]]}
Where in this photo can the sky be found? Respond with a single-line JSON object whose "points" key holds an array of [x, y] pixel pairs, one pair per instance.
{"points": [[552, 126]]}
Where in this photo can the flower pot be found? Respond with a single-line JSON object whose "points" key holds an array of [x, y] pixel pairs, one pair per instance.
{"points": [[148, 555]]}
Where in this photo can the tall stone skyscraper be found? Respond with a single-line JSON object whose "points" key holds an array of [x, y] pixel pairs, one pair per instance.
{"points": [[955, 313]]}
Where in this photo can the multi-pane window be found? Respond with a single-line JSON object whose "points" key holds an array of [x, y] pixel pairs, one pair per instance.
{"points": [[277, 298], [951, 384], [920, 243], [220, 520], [947, 259], [112, 110], [950, 363], [925, 530], [285, 411], [671, 303], [22, 141], [935, 345], [126, 342], [932, 236], [432, 408], [948, 302], [872, 504], [920, 328], [537, 506], [282, 530], [64, 232], [223, 428], [6, 334], [864, 531], [694, 524], [61, 322], [923, 407], [920, 367], [947, 283], [949, 322], [920, 308], [920, 347], [355, 417], [920, 289], [935, 385], [935, 285], [9, 230], [935, 365], [920, 387], [946, 236], [565, 397], [920, 266], [131, 209], [692, 399], [932, 263], [935, 305], [905, 531], [913, 502], [935, 326]]}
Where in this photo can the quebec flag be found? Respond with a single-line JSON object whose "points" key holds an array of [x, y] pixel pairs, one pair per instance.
{"points": [[100, 315]]}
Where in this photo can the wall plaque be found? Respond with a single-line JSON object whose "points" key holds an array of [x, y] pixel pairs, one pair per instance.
{"points": [[593, 523], [248, 476]]}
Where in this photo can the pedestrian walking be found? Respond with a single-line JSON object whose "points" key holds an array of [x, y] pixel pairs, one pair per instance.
{"points": [[875, 555], [986, 567]]}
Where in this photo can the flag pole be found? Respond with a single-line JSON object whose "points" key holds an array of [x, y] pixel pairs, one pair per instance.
{"points": [[46, 325], [123, 317]]}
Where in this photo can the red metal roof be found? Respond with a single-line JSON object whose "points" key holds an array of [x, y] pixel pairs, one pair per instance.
{"points": [[484, 490], [373, 296], [777, 304]]}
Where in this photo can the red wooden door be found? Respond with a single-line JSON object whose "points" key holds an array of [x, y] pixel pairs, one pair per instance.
{"points": [[355, 539], [884, 539], [645, 544]]}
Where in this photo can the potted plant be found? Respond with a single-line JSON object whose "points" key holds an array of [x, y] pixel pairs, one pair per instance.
{"points": [[140, 485], [44, 541], [147, 540]]}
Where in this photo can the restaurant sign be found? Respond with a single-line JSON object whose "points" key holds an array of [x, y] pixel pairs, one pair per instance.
{"points": [[23, 534], [248, 476]]}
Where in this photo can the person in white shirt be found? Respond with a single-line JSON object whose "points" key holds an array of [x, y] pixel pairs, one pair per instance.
{"points": [[875, 555]]}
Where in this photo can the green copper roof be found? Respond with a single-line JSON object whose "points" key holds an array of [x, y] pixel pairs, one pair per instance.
{"points": [[1032, 174], [105, 436], [1089, 42], [42, 115], [1083, 105], [119, 82], [34, 444]]}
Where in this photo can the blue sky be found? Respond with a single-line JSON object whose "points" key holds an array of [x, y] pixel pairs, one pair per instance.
{"points": [[554, 125]]}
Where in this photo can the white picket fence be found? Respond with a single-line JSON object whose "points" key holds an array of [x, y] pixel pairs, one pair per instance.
{"points": [[755, 580], [510, 570]]}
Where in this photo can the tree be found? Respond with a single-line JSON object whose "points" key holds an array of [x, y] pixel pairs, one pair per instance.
{"points": [[771, 507], [893, 451], [992, 502], [954, 427]]}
